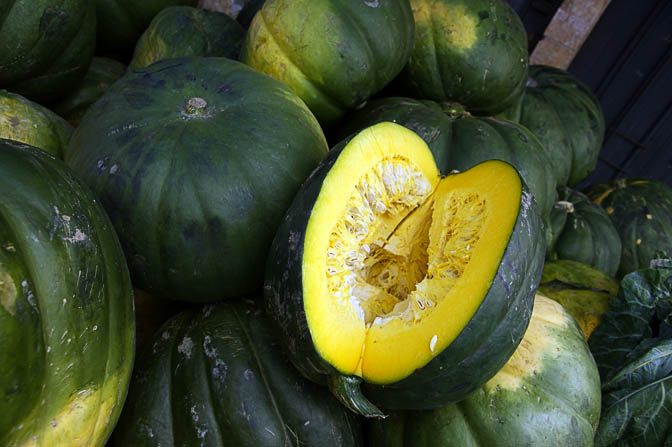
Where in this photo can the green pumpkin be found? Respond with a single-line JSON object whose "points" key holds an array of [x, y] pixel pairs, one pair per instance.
{"points": [[66, 307], [121, 22], [567, 118], [182, 31], [216, 376], [334, 54], [102, 72], [583, 232], [469, 51], [387, 273], [641, 211], [196, 161], [45, 46], [28, 122], [548, 394]]}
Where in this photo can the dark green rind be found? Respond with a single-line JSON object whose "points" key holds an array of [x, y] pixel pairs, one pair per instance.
{"points": [[99, 76], [628, 202], [459, 369], [348, 50], [583, 232], [28, 122], [567, 118], [71, 327], [216, 376], [183, 31], [121, 22], [45, 46], [196, 198], [559, 405], [488, 77]]}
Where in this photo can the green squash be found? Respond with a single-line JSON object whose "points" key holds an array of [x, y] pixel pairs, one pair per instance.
{"points": [[45, 46], [66, 307], [121, 22], [102, 72], [641, 211], [567, 118], [459, 140], [469, 51], [583, 232], [548, 394], [584, 291], [28, 122], [387, 273], [182, 31], [334, 54], [216, 376], [196, 161]]}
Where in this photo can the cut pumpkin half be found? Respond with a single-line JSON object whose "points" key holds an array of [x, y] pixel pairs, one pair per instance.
{"points": [[382, 266]]}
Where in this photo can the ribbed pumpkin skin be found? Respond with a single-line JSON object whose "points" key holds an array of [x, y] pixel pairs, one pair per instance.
{"points": [[547, 394], [45, 46], [460, 141], [583, 232], [475, 355], [567, 118], [641, 211], [66, 307], [28, 122], [469, 51], [196, 194], [121, 22], [334, 54], [183, 31], [217, 377]]}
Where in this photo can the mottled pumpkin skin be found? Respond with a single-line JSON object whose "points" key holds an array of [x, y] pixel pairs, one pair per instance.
{"points": [[547, 394], [641, 211], [469, 51], [334, 54], [568, 120], [28, 122], [583, 232], [196, 161], [216, 376], [45, 46], [67, 326]]}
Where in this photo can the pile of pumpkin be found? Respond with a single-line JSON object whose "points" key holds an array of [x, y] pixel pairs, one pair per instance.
{"points": [[272, 219]]}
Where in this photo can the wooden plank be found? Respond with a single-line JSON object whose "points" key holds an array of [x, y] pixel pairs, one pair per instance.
{"points": [[568, 29]]}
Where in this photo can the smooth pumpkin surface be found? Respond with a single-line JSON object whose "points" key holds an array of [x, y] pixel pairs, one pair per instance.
{"points": [[196, 161], [548, 393], [385, 271], [66, 307], [334, 54]]}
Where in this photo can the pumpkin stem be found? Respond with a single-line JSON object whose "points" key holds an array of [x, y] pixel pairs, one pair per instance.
{"points": [[195, 105], [347, 391], [568, 206]]}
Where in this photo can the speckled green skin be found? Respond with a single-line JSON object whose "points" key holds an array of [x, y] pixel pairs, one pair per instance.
{"points": [[196, 197], [583, 232], [28, 122], [567, 118], [469, 51], [555, 405], [641, 210], [334, 54], [217, 377], [182, 31], [66, 307], [45, 46], [459, 140], [482, 347], [102, 72], [121, 22]]}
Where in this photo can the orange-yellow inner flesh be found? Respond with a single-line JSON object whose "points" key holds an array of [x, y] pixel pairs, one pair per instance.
{"points": [[403, 260]]}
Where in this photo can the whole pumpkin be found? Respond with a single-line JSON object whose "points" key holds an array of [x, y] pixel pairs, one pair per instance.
{"points": [[67, 326]]}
